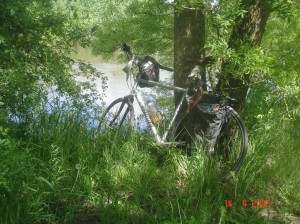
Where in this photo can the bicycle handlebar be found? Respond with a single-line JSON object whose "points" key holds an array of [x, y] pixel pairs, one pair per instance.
{"points": [[166, 68], [126, 48], [203, 62]]}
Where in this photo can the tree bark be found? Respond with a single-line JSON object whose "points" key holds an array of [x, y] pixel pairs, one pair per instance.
{"points": [[248, 31], [189, 37], [189, 40]]}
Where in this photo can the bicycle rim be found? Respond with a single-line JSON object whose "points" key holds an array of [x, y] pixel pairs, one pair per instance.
{"points": [[118, 117], [231, 145]]}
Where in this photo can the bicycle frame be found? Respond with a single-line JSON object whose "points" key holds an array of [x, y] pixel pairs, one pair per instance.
{"points": [[160, 139], [228, 115]]}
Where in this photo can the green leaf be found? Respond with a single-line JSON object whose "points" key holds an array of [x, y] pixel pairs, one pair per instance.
{"points": [[2, 40], [12, 12], [42, 179]]}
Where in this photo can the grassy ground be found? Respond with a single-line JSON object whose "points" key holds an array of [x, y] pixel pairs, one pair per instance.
{"points": [[60, 172]]}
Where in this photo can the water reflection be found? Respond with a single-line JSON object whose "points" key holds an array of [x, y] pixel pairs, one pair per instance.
{"points": [[117, 85]]}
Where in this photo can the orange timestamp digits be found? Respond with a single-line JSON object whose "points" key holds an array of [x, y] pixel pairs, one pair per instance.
{"points": [[261, 203]]}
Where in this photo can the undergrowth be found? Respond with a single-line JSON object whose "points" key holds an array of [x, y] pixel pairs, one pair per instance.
{"points": [[61, 172]]}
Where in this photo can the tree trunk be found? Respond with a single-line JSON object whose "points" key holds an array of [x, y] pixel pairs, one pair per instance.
{"points": [[189, 37], [248, 30]]}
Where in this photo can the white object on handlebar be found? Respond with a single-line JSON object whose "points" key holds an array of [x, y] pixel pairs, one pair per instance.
{"points": [[127, 68]]}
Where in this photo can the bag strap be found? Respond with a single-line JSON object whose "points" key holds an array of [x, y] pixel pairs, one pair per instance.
{"points": [[191, 106]]}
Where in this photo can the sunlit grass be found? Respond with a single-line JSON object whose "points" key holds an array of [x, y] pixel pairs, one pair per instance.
{"points": [[64, 173]]}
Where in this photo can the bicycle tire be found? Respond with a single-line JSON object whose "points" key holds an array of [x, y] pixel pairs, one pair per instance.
{"points": [[229, 152], [118, 116]]}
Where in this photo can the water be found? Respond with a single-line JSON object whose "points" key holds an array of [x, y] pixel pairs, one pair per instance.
{"points": [[116, 81], [117, 85]]}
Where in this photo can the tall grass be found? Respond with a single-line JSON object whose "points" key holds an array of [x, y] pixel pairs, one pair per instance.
{"points": [[60, 172]]}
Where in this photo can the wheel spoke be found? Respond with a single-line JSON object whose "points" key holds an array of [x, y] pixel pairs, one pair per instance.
{"points": [[228, 148], [232, 143], [124, 116], [117, 116]]}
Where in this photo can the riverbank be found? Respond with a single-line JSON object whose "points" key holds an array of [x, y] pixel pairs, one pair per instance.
{"points": [[60, 172]]}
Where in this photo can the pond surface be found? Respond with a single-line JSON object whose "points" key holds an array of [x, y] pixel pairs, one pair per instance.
{"points": [[117, 85]]}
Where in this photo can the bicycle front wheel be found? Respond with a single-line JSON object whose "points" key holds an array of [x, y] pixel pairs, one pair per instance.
{"points": [[118, 117], [227, 149]]}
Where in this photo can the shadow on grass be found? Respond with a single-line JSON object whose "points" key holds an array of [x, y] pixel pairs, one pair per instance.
{"points": [[109, 214]]}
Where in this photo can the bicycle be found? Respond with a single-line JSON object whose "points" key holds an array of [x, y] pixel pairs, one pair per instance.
{"points": [[228, 140]]}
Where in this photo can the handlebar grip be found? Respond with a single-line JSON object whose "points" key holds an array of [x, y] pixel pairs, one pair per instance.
{"points": [[125, 47], [203, 62]]}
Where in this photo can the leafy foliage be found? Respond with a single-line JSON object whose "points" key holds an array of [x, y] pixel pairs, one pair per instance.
{"points": [[277, 85], [36, 38], [63, 173], [146, 25]]}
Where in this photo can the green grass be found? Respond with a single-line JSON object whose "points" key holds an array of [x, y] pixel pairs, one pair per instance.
{"points": [[60, 172]]}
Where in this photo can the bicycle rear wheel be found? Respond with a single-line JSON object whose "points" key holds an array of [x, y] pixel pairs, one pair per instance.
{"points": [[232, 144], [118, 117], [229, 146]]}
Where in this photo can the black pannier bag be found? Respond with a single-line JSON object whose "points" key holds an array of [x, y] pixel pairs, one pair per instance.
{"points": [[149, 70], [206, 117]]}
